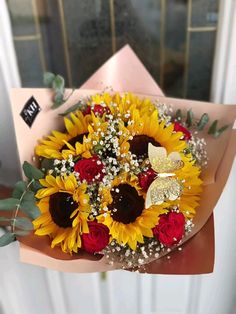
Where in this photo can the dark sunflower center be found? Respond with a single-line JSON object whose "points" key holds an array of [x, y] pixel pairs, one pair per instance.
{"points": [[139, 145], [72, 141], [61, 206], [127, 205]]}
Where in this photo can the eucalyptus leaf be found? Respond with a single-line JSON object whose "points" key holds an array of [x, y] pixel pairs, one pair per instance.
{"points": [[213, 127], [72, 109], [19, 188], [30, 209], [58, 84], [35, 186], [28, 196], [21, 232], [7, 238], [23, 223], [9, 203], [189, 119], [58, 100], [223, 128], [47, 164], [48, 78], [220, 131], [203, 121], [32, 172], [178, 115]]}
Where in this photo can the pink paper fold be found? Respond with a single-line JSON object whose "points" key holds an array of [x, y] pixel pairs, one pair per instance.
{"points": [[124, 72]]}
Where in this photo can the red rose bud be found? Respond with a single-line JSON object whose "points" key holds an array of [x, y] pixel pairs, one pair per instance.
{"points": [[90, 169], [100, 110], [170, 229], [179, 128], [87, 110], [97, 238], [146, 178]]}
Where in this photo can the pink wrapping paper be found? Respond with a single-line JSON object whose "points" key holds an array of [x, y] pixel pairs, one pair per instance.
{"points": [[124, 71]]}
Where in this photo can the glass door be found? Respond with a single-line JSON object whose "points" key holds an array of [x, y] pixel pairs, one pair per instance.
{"points": [[175, 39]]}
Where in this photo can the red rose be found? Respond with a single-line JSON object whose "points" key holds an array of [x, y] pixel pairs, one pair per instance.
{"points": [[100, 110], [146, 178], [179, 128], [170, 228], [97, 238], [87, 111], [89, 168]]}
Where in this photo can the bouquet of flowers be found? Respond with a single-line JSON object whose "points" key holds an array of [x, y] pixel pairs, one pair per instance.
{"points": [[118, 175], [122, 180]]}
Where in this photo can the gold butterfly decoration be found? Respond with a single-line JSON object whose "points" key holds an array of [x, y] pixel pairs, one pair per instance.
{"points": [[165, 186]]}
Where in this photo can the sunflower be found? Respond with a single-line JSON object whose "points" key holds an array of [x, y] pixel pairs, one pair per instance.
{"points": [[128, 100], [58, 144], [192, 187], [64, 210], [124, 213], [122, 104], [146, 129]]}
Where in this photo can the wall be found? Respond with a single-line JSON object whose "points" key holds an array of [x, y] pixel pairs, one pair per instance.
{"points": [[9, 77]]}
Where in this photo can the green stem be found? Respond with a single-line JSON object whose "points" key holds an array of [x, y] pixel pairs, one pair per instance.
{"points": [[18, 207], [69, 95]]}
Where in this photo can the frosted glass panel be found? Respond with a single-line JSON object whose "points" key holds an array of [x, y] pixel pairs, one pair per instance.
{"points": [[175, 39]]}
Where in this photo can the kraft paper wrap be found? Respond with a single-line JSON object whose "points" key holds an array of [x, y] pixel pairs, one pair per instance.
{"points": [[124, 72]]}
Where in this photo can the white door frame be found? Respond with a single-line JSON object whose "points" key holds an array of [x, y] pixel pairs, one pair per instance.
{"points": [[153, 292], [9, 77], [224, 70]]}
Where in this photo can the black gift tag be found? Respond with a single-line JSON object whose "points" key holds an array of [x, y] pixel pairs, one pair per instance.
{"points": [[30, 111]]}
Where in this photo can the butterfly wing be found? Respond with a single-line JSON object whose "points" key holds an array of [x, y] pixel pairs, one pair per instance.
{"points": [[160, 162], [162, 189]]}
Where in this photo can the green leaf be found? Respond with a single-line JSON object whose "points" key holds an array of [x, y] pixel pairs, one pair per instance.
{"points": [[30, 209], [19, 188], [23, 223], [213, 127], [223, 128], [220, 131], [47, 164], [21, 232], [32, 172], [9, 203], [97, 148], [203, 121], [58, 84], [71, 109], [29, 196], [189, 119], [58, 100], [178, 115], [35, 186], [7, 238], [48, 79]]}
